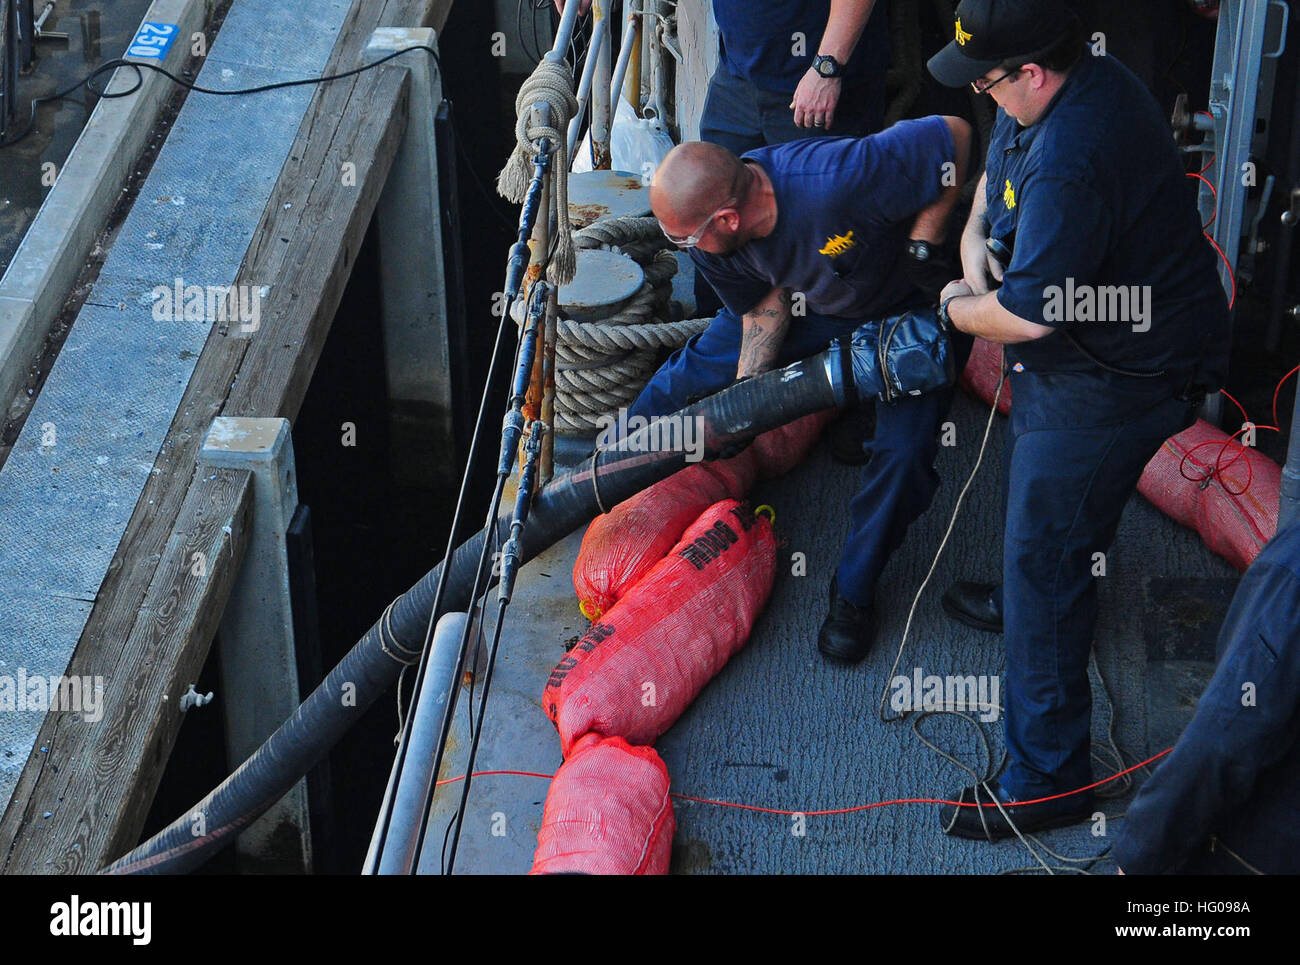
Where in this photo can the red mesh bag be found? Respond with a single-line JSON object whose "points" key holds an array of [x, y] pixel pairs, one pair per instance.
{"points": [[608, 812], [1233, 508], [621, 546], [778, 451], [633, 673], [983, 372]]}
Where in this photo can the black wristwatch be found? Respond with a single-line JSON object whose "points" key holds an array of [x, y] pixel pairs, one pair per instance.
{"points": [[827, 66], [920, 250], [944, 318]]}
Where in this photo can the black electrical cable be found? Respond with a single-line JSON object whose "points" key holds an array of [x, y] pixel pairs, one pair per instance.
{"points": [[113, 65], [509, 569], [88, 83], [528, 346], [440, 592]]}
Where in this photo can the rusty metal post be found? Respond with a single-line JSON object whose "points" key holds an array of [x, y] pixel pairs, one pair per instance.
{"points": [[601, 105], [549, 335], [632, 85], [599, 38], [630, 43], [538, 246]]}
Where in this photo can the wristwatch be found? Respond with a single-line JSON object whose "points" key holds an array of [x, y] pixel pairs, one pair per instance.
{"points": [[920, 250], [944, 318], [827, 66]]}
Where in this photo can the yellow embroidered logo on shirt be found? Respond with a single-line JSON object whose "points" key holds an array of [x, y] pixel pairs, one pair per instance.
{"points": [[962, 35], [1009, 196], [838, 245]]}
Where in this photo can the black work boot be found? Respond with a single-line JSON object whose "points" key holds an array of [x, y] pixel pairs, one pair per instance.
{"points": [[978, 818], [977, 605], [848, 631]]}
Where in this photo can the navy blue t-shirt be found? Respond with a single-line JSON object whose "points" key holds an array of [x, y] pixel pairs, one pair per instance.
{"points": [[759, 42], [1107, 239], [845, 207]]}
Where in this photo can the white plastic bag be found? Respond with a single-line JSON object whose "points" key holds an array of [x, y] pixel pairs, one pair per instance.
{"points": [[636, 144]]}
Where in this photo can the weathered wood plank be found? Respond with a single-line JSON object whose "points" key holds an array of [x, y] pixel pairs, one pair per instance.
{"points": [[149, 538], [102, 794], [282, 357]]}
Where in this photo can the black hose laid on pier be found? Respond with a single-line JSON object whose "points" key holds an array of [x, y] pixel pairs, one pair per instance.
{"points": [[915, 354]]}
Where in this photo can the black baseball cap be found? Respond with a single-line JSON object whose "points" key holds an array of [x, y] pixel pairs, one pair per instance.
{"points": [[990, 32]]}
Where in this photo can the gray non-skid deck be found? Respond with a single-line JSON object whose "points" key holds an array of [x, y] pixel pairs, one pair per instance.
{"points": [[76, 472], [780, 728]]}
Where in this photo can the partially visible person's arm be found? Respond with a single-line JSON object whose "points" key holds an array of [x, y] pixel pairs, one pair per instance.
{"points": [[1063, 233], [763, 331], [978, 266], [816, 97], [931, 222], [1244, 723], [984, 316]]}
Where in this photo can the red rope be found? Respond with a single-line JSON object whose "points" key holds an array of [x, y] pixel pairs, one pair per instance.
{"points": [[848, 810]]}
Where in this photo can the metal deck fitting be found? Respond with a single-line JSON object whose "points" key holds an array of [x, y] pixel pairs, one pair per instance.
{"points": [[607, 194], [604, 282]]}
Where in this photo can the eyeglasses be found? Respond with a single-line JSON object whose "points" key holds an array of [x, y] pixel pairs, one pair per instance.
{"points": [[975, 84], [693, 239]]}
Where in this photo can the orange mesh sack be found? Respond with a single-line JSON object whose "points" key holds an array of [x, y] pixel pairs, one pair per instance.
{"points": [[983, 372], [621, 546], [633, 673], [608, 812], [780, 450], [1233, 508]]}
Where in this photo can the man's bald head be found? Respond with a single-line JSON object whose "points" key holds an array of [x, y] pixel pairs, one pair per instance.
{"points": [[695, 179]]}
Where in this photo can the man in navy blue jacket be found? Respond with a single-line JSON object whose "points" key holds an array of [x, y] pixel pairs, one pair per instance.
{"points": [[1227, 799], [1114, 325]]}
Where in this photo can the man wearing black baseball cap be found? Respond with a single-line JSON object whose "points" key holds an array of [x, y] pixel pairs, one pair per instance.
{"points": [[1106, 297], [988, 33]]}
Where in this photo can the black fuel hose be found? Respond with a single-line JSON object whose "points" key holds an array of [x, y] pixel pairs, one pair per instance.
{"points": [[919, 360]]}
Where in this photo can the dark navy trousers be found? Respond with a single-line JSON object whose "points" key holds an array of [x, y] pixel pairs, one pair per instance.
{"points": [[741, 116], [1076, 448], [899, 481]]}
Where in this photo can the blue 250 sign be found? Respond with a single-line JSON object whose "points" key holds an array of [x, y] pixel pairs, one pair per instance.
{"points": [[152, 41]]}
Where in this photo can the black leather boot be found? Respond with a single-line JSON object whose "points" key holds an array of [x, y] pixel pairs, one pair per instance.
{"points": [[979, 818], [848, 631], [975, 604]]}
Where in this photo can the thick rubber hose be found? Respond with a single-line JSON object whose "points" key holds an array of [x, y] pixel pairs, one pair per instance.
{"points": [[367, 671], [898, 356]]}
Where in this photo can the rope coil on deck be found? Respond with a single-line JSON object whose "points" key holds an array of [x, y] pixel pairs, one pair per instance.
{"points": [[602, 366]]}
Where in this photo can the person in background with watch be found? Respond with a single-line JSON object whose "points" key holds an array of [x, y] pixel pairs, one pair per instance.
{"points": [[797, 68], [1082, 173], [829, 219], [790, 70]]}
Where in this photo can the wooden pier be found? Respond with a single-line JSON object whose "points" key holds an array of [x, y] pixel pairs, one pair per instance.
{"points": [[84, 794]]}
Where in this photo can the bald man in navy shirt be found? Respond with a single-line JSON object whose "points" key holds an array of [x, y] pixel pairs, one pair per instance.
{"points": [[804, 242]]}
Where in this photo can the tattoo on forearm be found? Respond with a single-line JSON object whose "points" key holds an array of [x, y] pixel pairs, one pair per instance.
{"points": [[764, 331]]}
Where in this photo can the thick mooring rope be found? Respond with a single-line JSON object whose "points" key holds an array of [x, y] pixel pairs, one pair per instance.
{"points": [[602, 366], [550, 84]]}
